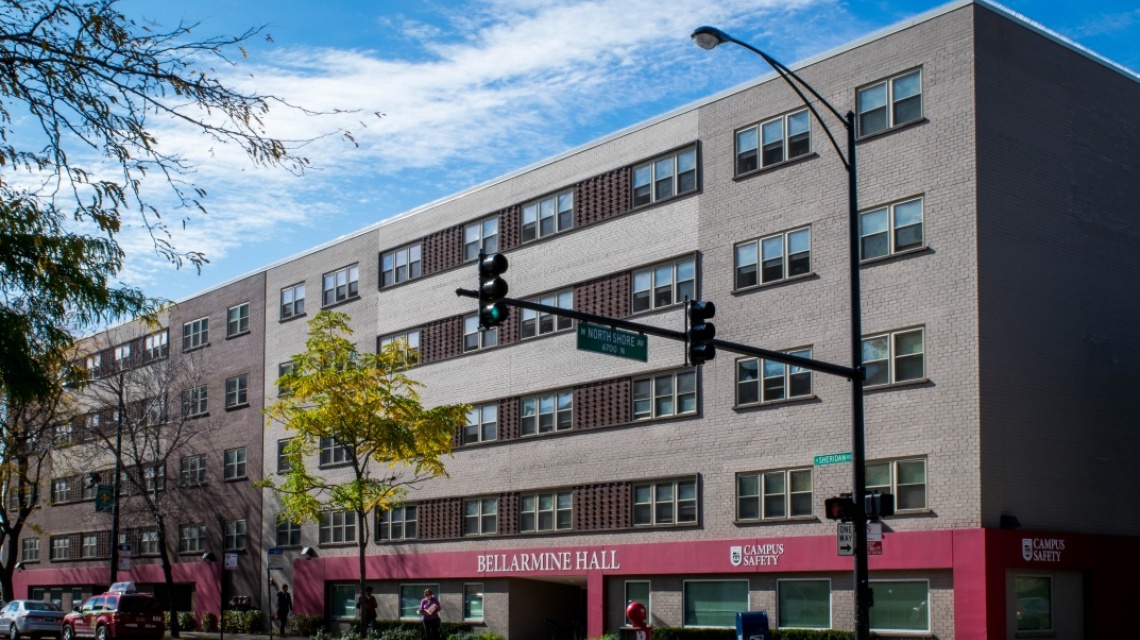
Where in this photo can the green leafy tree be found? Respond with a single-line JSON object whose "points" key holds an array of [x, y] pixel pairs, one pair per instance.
{"points": [[81, 86], [367, 404]]}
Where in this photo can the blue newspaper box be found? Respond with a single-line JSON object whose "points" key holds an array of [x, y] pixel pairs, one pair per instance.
{"points": [[752, 625]]}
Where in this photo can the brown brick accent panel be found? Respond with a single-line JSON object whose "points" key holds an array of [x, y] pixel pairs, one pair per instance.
{"points": [[510, 227], [443, 250], [602, 507], [509, 330], [509, 419], [440, 519], [508, 513], [608, 296], [457, 437], [602, 404], [441, 339], [602, 197]]}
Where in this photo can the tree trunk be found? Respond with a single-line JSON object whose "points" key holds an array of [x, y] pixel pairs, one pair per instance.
{"points": [[167, 575], [11, 558], [361, 543]]}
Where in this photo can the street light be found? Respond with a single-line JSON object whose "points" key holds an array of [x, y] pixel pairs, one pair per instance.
{"points": [[710, 38]]}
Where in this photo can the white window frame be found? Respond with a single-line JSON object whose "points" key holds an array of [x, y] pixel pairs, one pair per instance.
{"points": [[830, 602], [753, 260], [776, 484], [886, 345], [474, 338], [61, 491], [237, 320], [283, 369], [340, 285], [332, 453], [874, 583], [546, 511], [645, 284], [750, 141], [481, 236], [411, 340], [337, 526], [665, 177], [895, 484], [93, 363], [763, 373], [292, 301], [891, 102], [156, 345], [154, 478], [148, 542], [196, 334], [283, 464], [546, 413], [89, 545], [401, 265], [195, 401], [482, 423], [30, 550], [547, 216], [397, 524], [286, 532], [234, 464], [235, 535], [656, 501], [677, 397], [237, 391], [122, 352], [473, 591], [533, 323], [192, 470], [61, 548], [481, 516], [192, 538], [891, 228]]}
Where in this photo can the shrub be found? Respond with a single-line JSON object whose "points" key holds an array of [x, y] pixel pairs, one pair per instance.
{"points": [[306, 624], [186, 620], [243, 621], [209, 622]]}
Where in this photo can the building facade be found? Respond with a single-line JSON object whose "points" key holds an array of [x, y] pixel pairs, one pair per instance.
{"points": [[997, 189]]}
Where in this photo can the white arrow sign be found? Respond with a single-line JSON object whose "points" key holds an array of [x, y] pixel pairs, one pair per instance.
{"points": [[845, 539]]}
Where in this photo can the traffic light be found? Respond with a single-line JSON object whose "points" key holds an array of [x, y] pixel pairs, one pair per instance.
{"points": [[840, 508], [92, 479], [879, 505], [492, 289], [701, 331]]}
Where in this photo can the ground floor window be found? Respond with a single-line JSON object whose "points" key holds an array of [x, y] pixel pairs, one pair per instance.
{"points": [[342, 600], [714, 603], [1034, 603], [900, 605], [638, 591], [804, 604], [410, 597], [472, 601]]}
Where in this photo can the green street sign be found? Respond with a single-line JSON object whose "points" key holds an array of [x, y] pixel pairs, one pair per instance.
{"points": [[833, 458], [104, 499], [613, 342]]}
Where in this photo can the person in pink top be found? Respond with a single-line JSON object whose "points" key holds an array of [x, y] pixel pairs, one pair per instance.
{"points": [[429, 610]]}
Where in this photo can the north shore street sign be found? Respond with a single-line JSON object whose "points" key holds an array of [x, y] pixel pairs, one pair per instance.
{"points": [[613, 342]]}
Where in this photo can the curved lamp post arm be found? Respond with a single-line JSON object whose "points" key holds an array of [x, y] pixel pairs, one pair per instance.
{"points": [[710, 37]]}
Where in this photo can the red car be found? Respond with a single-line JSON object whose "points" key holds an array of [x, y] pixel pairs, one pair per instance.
{"points": [[116, 614]]}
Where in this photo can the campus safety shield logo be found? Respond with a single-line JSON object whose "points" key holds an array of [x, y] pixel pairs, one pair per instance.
{"points": [[1027, 549], [735, 555]]}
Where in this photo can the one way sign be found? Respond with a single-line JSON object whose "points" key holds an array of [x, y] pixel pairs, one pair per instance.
{"points": [[845, 538]]}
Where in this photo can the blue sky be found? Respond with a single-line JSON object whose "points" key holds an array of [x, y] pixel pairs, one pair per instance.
{"points": [[470, 90]]}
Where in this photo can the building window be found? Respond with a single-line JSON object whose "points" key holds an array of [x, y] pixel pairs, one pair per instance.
{"points": [[804, 604], [475, 338], [548, 216], [714, 603], [192, 538], [193, 470], [332, 452], [638, 591], [340, 285], [780, 139], [890, 103], [482, 236], [235, 536], [665, 503], [342, 600], [664, 178], [122, 354], [410, 341], [901, 605], [397, 523], [156, 410], [284, 369], [90, 546], [774, 495], [30, 550], [293, 301], [196, 334], [1034, 602], [61, 548], [535, 323], [410, 597], [236, 389], [905, 479], [894, 357], [482, 424], [401, 265], [772, 259], [194, 401], [546, 413], [546, 511], [473, 602], [480, 516], [780, 381], [64, 433], [148, 543], [234, 464], [664, 285], [288, 534], [237, 319], [665, 395], [61, 491], [92, 364], [890, 230], [155, 345], [284, 464], [154, 478], [338, 527]]}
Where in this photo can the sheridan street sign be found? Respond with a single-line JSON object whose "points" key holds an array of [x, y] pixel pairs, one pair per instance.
{"points": [[833, 458], [613, 342]]}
